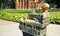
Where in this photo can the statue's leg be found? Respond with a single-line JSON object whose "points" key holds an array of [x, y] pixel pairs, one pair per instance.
{"points": [[43, 32]]}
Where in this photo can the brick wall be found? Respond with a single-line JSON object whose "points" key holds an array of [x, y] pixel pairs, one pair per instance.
{"points": [[22, 4]]}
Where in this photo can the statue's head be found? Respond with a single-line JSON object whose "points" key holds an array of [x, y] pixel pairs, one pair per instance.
{"points": [[45, 6]]}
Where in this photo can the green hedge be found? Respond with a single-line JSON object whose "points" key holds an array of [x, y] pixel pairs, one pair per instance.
{"points": [[17, 10], [12, 16], [15, 15], [55, 17]]}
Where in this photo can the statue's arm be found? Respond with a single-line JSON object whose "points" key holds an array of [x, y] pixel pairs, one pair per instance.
{"points": [[45, 20], [35, 19]]}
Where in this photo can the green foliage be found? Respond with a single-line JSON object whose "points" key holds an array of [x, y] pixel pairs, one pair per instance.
{"points": [[17, 10], [38, 11], [15, 15], [55, 17], [12, 16]]}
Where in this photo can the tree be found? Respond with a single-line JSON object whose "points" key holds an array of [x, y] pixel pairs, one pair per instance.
{"points": [[2, 2], [7, 4], [10, 4], [53, 2]]}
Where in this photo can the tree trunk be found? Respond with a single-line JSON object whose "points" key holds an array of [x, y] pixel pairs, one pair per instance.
{"points": [[1, 6]]}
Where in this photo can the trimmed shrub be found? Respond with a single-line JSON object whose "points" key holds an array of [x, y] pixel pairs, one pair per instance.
{"points": [[15, 15]]}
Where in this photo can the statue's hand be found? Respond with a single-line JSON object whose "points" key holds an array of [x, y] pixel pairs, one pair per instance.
{"points": [[36, 19]]}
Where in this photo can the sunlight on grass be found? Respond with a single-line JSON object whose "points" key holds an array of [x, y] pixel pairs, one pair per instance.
{"points": [[15, 15]]}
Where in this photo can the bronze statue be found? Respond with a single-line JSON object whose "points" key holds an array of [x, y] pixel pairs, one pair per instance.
{"points": [[36, 24]]}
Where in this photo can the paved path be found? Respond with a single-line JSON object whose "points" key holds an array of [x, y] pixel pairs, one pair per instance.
{"points": [[8, 28], [53, 30], [4, 22]]}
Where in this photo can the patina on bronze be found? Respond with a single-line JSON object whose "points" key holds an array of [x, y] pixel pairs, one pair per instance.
{"points": [[35, 25]]}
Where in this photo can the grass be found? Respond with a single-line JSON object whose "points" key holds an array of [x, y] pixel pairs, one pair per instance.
{"points": [[55, 17], [15, 15], [16, 11]]}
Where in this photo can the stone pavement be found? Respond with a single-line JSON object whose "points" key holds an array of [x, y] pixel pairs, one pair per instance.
{"points": [[8, 28], [4, 22], [53, 30]]}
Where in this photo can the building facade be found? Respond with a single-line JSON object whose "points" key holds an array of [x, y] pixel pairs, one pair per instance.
{"points": [[19, 4], [25, 4]]}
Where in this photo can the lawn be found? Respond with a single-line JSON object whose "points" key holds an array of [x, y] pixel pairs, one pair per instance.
{"points": [[15, 15], [55, 17]]}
